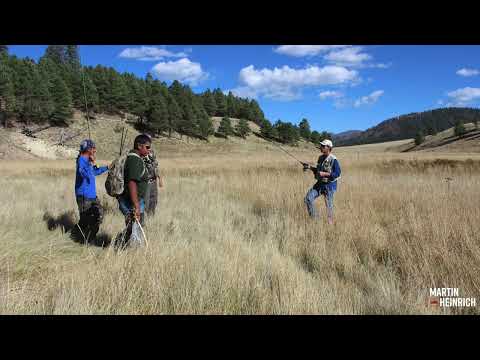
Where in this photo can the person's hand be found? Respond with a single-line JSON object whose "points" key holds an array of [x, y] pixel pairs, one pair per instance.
{"points": [[305, 166], [136, 213], [323, 174]]}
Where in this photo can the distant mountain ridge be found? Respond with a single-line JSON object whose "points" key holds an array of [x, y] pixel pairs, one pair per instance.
{"points": [[407, 126], [345, 135]]}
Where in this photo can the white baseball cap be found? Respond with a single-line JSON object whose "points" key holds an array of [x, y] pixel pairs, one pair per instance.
{"points": [[327, 142]]}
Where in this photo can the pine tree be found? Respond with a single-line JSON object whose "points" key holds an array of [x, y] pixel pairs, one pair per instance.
{"points": [[225, 128], [205, 126], [100, 79], [157, 106], [176, 90], [266, 130], [419, 138], [30, 106], [304, 127], [287, 132], [62, 100], [3, 50], [431, 130], [7, 93], [459, 128], [118, 95], [245, 110], [139, 101], [242, 128], [256, 112], [209, 103], [72, 58], [158, 114], [174, 114], [315, 137], [90, 95], [42, 103], [56, 53], [326, 135], [188, 123], [231, 105], [220, 102]]}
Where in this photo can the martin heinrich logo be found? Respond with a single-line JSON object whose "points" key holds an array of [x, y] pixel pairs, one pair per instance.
{"points": [[450, 297]]}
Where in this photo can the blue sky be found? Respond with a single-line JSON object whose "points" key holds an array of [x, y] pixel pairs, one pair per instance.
{"points": [[336, 87]]}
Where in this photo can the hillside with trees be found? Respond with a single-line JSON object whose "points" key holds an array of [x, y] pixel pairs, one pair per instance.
{"points": [[50, 90], [414, 125]]}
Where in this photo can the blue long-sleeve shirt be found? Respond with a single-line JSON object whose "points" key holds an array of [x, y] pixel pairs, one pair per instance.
{"points": [[85, 178], [335, 173]]}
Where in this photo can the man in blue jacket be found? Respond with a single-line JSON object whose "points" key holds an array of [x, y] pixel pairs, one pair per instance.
{"points": [[91, 212], [327, 172]]}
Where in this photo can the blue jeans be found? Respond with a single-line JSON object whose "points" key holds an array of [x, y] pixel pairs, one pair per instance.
{"points": [[312, 195], [126, 206]]}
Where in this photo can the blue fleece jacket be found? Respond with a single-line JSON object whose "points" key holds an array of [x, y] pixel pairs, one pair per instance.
{"points": [[85, 178]]}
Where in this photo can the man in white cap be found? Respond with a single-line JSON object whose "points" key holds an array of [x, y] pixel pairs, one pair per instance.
{"points": [[327, 172]]}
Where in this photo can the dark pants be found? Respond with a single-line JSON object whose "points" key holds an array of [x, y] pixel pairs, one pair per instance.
{"points": [[91, 216], [151, 198]]}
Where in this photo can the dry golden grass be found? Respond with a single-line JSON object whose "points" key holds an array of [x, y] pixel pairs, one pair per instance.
{"points": [[232, 236]]}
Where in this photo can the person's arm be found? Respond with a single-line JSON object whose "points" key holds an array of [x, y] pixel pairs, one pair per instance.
{"points": [[99, 170], [84, 170], [132, 189], [133, 175], [336, 170]]}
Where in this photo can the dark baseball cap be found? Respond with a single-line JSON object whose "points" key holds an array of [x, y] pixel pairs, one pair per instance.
{"points": [[86, 145]]}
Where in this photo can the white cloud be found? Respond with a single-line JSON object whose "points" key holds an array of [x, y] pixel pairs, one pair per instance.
{"points": [[341, 103], [243, 92], [369, 99], [182, 70], [351, 56], [464, 95], [380, 66], [285, 83], [306, 50], [330, 94], [148, 53], [468, 72]]}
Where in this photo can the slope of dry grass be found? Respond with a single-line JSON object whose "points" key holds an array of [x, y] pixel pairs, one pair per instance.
{"points": [[232, 237]]}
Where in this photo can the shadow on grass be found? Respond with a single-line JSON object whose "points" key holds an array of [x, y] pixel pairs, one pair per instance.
{"points": [[66, 221]]}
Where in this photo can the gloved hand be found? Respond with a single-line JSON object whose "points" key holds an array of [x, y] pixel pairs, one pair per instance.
{"points": [[305, 166]]}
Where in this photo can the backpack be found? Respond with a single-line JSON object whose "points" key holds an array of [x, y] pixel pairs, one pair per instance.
{"points": [[115, 182]]}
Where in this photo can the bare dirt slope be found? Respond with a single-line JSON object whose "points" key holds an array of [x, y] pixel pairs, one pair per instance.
{"points": [[106, 131], [9, 149]]}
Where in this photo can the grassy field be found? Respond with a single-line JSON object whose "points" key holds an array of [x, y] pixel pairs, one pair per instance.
{"points": [[232, 236]]}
